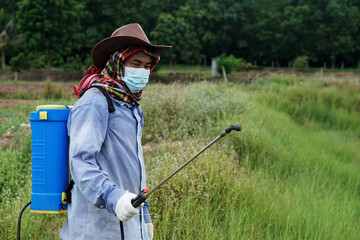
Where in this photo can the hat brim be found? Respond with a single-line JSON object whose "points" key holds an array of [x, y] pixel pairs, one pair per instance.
{"points": [[103, 49]]}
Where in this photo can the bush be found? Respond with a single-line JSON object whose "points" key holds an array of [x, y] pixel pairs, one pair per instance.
{"points": [[230, 63], [74, 64], [300, 63], [53, 92], [19, 62], [37, 60]]}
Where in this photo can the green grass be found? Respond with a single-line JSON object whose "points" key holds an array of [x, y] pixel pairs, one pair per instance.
{"points": [[315, 69], [185, 69], [316, 103], [184, 72], [292, 173]]}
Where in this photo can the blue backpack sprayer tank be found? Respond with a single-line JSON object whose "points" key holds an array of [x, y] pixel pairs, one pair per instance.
{"points": [[50, 160]]}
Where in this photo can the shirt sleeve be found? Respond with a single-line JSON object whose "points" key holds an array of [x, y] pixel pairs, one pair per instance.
{"points": [[87, 127], [147, 217]]}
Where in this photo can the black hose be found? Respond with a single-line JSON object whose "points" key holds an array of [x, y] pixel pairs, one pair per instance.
{"points": [[19, 220], [122, 230]]}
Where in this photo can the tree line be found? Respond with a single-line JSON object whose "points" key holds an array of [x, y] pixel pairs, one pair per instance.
{"points": [[44, 33]]}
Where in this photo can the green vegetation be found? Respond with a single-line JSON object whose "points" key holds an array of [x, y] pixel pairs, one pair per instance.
{"points": [[315, 103], [300, 63], [229, 63], [292, 173], [266, 32]]}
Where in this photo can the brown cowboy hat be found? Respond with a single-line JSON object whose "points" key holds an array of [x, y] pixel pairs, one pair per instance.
{"points": [[125, 36]]}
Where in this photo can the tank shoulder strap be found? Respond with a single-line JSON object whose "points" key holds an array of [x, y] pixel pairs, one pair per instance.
{"points": [[111, 107], [66, 196]]}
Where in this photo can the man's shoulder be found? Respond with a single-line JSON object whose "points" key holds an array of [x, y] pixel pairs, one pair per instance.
{"points": [[92, 98]]}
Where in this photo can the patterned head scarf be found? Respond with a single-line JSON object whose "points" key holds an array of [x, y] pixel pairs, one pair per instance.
{"points": [[110, 78]]}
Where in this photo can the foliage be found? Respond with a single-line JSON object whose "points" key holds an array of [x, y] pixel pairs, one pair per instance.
{"points": [[230, 63], [74, 64], [267, 32], [52, 91], [19, 62], [177, 31], [9, 6], [49, 26], [300, 63], [8, 35]]}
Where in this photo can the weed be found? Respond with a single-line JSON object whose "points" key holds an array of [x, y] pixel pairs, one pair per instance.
{"points": [[53, 92]]}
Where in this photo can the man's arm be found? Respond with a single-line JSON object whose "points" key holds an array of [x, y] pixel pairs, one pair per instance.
{"points": [[87, 130]]}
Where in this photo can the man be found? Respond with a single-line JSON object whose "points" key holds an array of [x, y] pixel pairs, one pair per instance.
{"points": [[105, 127]]}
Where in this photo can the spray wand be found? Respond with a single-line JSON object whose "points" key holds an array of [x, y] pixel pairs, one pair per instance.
{"points": [[145, 193]]}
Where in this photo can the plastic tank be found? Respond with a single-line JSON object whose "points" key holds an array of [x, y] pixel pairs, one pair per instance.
{"points": [[50, 164]]}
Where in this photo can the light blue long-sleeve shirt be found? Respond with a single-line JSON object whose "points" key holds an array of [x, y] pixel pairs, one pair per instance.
{"points": [[106, 160]]}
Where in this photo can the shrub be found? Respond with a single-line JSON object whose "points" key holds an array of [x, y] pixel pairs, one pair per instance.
{"points": [[74, 64], [300, 63], [53, 92], [230, 63], [37, 60], [19, 62]]}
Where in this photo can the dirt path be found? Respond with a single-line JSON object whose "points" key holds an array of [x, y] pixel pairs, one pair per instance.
{"points": [[34, 88], [8, 103], [16, 90]]}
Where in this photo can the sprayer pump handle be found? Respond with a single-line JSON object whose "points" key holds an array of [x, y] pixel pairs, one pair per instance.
{"points": [[140, 198]]}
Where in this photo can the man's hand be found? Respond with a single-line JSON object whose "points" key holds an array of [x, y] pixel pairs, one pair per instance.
{"points": [[124, 209], [150, 230]]}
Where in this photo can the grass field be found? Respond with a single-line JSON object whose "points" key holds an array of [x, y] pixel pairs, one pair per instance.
{"points": [[292, 173]]}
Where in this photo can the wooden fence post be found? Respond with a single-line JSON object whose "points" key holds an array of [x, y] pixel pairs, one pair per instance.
{"points": [[224, 73]]}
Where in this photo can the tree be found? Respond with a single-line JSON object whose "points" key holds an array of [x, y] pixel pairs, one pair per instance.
{"points": [[17, 63], [113, 14], [176, 31], [8, 36], [96, 25], [264, 34], [9, 6], [263, 30], [219, 25], [334, 24], [50, 27], [295, 36]]}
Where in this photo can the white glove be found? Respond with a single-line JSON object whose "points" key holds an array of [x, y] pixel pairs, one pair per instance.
{"points": [[150, 230], [124, 210]]}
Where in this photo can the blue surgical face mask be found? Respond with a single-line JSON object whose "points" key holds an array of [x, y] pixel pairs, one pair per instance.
{"points": [[136, 78]]}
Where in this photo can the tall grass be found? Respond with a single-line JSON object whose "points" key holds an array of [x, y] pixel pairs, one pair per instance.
{"points": [[288, 175], [317, 103]]}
